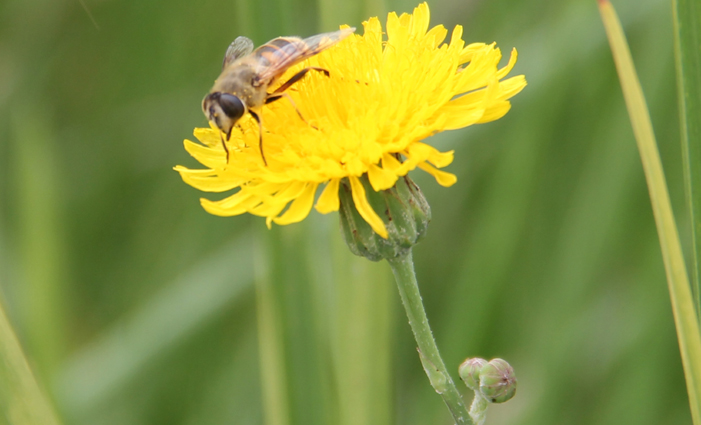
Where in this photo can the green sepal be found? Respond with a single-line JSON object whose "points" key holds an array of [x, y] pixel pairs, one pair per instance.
{"points": [[403, 210]]}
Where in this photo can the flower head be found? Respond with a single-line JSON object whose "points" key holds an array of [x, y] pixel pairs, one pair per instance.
{"points": [[366, 119]]}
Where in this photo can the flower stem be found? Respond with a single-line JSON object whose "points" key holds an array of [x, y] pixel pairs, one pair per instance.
{"points": [[478, 409], [403, 269]]}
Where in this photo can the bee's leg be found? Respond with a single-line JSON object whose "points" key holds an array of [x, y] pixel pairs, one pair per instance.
{"points": [[223, 143], [275, 96], [260, 134], [298, 76]]}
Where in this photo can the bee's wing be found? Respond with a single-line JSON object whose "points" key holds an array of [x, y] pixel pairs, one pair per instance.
{"points": [[242, 46], [275, 56]]}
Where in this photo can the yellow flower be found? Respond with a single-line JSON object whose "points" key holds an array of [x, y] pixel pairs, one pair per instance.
{"points": [[368, 117]]}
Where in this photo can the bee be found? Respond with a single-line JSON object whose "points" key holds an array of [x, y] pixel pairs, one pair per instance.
{"points": [[246, 75]]}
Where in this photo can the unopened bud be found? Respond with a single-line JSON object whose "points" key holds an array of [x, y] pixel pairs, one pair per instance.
{"points": [[497, 381], [469, 372]]}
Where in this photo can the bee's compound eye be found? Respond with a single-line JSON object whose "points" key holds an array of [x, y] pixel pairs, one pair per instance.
{"points": [[208, 102], [232, 106]]}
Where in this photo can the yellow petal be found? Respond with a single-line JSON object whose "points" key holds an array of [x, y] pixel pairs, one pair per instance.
{"points": [[267, 210], [420, 20], [495, 112], [207, 180], [389, 162], [373, 29], [468, 52], [209, 156], [511, 87], [392, 25], [482, 68], [299, 209], [273, 204], [444, 179], [380, 179], [328, 201], [208, 136], [236, 204], [456, 40], [462, 112], [437, 34], [364, 208], [512, 61], [440, 159]]}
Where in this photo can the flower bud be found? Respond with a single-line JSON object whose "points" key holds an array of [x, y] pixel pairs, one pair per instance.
{"points": [[470, 372], [402, 209], [497, 381]]}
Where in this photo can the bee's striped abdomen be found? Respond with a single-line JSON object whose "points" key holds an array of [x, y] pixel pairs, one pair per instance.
{"points": [[278, 50]]}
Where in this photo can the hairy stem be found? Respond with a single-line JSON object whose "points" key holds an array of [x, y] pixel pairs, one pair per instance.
{"points": [[403, 269]]}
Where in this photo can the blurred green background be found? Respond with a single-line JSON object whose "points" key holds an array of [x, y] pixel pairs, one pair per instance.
{"points": [[134, 306]]}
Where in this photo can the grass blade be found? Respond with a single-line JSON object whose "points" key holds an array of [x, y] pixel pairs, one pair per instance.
{"points": [[273, 371], [21, 399], [361, 335], [679, 289], [687, 39]]}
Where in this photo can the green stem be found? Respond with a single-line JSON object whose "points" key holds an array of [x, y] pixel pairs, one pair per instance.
{"points": [[478, 409], [21, 400], [403, 269]]}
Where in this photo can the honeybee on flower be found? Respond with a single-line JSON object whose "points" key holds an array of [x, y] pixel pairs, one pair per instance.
{"points": [[246, 75]]}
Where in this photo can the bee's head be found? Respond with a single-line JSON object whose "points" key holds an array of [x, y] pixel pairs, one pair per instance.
{"points": [[224, 110]]}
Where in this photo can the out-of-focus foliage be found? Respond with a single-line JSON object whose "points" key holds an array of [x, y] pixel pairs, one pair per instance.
{"points": [[136, 307]]}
